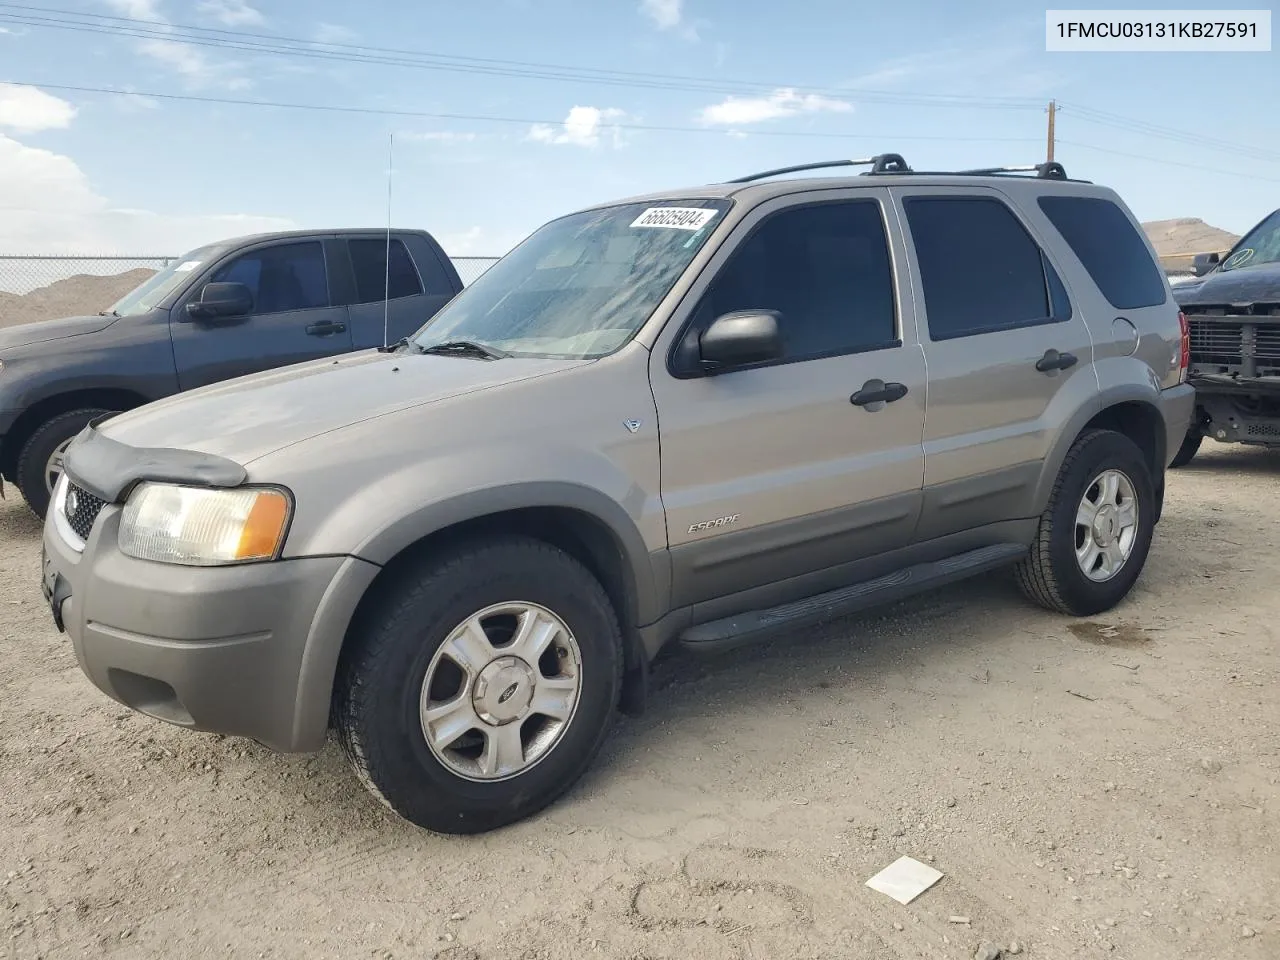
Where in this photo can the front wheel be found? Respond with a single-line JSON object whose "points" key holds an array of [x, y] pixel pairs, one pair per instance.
{"points": [[40, 462], [1190, 447], [1094, 535], [481, 685]]}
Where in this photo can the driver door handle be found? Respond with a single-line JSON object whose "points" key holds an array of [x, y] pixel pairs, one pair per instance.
{"points": [[1053, 360], [877, 391], [326, 328]]}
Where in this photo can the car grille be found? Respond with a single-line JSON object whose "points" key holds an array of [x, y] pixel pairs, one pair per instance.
{"points": [[1229, 337], [81, 509]]}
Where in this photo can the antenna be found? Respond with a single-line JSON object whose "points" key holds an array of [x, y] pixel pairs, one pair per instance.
{"points": [[386, 292]]}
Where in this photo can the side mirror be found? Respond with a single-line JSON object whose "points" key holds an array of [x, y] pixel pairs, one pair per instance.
{"points": [[1204, 263], [219, 300], [739, 338]]}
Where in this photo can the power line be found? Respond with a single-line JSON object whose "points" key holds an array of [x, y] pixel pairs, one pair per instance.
{"points": [[1220, 171], [1147, 128], [424, 115], [277, 44]]}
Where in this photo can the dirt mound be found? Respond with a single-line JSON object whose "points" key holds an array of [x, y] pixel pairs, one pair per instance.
{"points": [[75, 296], [1182, 239]]}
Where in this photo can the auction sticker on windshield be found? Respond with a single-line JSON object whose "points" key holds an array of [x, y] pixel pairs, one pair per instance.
{"points": [[675, 218]]}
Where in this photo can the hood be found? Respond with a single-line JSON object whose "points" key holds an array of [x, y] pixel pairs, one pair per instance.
{"points": [[25, 334], [249, 417], [1244, 285]]}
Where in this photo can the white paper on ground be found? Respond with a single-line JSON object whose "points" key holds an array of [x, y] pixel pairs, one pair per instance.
{"points": [[905, 879]]}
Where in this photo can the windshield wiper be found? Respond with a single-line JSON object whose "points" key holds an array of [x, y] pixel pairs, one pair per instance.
{"points": [[465, 348]]}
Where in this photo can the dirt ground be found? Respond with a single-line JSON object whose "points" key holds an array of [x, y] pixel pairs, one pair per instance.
{"points": [[1088, 789]]}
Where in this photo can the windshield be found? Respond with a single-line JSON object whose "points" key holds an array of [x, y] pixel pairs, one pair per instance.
{"points": [[1260, 245], [147, 295], [581, 286]]}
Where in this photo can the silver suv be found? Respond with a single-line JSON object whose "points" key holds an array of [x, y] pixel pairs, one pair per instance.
{"points": [[705, 416]]}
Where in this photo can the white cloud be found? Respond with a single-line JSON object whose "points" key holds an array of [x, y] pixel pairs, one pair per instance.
{"points": [[440, 136], [581, 128], [138, 9], [48, 206], [233, 13], [332, 33], [783, 102], [186, 59], [666, 14], [29, 109]]}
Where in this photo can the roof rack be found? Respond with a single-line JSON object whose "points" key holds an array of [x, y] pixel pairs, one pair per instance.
{"points": [[885, 164], [882, 163]]}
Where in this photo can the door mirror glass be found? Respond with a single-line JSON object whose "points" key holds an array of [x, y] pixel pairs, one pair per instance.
{"points": [[740, 338], [218, 300]]}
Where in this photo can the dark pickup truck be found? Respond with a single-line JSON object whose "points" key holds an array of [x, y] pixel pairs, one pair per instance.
{"points": [[1233, 314], [225, 310]]}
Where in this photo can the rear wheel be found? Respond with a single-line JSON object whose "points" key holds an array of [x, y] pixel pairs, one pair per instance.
{"points": [[40, 462], [1190, 446], [1095, 533], [481, 685]]}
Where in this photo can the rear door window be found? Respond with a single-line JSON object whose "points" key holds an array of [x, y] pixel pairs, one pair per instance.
{"points": [[373, 280], [980, 269], [1109, 246], [287, 277]]}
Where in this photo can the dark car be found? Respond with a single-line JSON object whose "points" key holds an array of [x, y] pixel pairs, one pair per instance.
{"points": [[225, 310], [1233, 314]]}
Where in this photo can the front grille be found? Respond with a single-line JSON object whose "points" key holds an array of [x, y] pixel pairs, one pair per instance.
{"points": [[1231, 340], [1216, 342], [81, 509], [1264, 429]]}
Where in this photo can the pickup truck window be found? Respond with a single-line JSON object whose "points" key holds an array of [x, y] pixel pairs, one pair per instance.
{"points": [[148, 294], [290, 276], [369, 260], [1260, 245], [581, 286]]}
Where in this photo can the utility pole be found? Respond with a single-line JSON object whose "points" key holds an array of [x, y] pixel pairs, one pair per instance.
{"points": [[1053, 110]]}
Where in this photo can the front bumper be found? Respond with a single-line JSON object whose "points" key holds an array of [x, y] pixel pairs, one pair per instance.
{"points": [[248, 650]]}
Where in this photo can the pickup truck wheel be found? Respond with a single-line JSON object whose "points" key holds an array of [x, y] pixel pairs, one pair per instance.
{"points": [[40, 462], [480, 685], [1190, 447], [1094, 536]]}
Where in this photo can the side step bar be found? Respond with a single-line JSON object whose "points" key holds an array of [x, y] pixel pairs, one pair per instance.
{"points": [[758, 625]]}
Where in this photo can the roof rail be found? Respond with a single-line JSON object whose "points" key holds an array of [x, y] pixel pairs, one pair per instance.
{"points": [[881, 163], [1044, 171]]}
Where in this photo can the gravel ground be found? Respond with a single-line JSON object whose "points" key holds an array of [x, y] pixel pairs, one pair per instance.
{"points": [[1104, 788]]}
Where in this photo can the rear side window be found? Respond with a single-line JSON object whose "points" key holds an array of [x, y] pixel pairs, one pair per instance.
{"points": [[825, 268], [286, 277], [980, 269], [1110, 248], [369, 259]]}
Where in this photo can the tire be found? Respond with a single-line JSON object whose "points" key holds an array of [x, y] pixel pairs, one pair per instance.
{"points": [[377, 709], [1190, 447], [33, 461], [1052, 574]]}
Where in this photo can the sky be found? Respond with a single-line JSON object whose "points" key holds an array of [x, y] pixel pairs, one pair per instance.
{"points": [[557, 104]]}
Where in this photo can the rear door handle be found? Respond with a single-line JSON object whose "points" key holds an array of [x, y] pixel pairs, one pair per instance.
{"points": [[1053, 360], [878, 392], [326, 328]]}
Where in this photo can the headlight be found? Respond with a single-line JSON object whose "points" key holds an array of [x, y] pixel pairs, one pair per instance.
{"points": [[201, 527]]}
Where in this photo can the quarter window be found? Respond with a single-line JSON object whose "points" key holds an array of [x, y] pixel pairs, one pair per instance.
{"points": [[825, 268], [282, 278], [980, 269], [1110, 248]]}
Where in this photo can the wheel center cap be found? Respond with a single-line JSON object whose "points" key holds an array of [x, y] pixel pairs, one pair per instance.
{"points": [[503, 691], [1105, 525]]}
